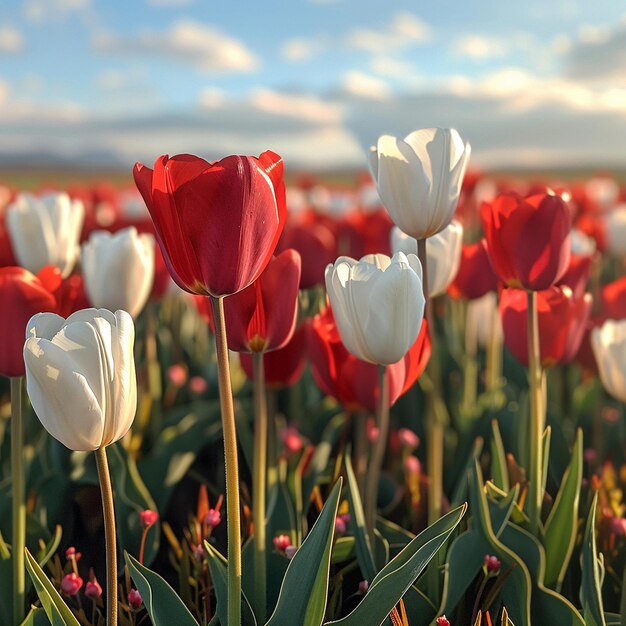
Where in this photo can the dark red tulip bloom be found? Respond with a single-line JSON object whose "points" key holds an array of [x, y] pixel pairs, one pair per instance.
{"points": [[217, 223], [7, 257], [22, 295], [283, 367], [528, 239], [352, 382], [315, 242], [69, 294], [161, 276], [262, 317], [577, 275], [612, 305], [475, 276], [562, 323]]}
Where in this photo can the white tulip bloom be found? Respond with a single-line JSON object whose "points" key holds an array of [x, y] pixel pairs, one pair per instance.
{"points": [[616, 230], [609, 347], [419, 178], [80, 376], [483, 319], [378, 304], [45, 230], [443, 252], [118, 269]]}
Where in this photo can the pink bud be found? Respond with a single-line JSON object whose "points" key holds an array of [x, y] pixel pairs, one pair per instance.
{"points": [[93, 590], [198, 552], [71, 553], [372, 433], [198, 385], [491, 563], [408, 438], [340, 525], [213, 518], [134, 599], [148, 518], [71, 584], [292, 439], [363, 587], [177, 375], [281, 542], [443, 621], [590, 455], [412, 465]]}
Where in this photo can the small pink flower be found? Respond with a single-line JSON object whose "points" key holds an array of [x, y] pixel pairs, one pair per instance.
{"points": [[71, 554], [292, 439], [340, 525], [408, 438], [71, 584], [198, 552], [198, 385], [148, 518], [443, 621], [363, 587], [134, 599], [213, 518], [177, 374], [491, 563], [372, 432], [93, 590], [412, 465], [281, 542]]}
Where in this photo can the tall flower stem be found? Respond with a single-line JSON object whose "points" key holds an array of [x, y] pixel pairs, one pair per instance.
{"points": [[108, 513], [536, 416], [259, 486], [232, 465], [435, 426], [18, 500], [494, 355], [378, 455]]}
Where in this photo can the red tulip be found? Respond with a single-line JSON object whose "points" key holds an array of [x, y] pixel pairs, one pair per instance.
{"points": [[528, 239], [282, 367], [262, 317], [562, 321], [217, 223], [7, 257], [22, 295], [612, 305], [577, 275], [475, 276], [69, 293], [315, 242], [354, 383]]}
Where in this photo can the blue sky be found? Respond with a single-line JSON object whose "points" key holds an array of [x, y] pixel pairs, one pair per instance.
{"points": [[532, 83]]}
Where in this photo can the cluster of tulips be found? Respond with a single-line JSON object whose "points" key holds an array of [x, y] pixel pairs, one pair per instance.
{"points": [[400, 292]]}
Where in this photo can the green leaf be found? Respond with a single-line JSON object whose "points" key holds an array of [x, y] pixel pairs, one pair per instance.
{"points": [[36, 617], [57, 611], [499, 469], [303, 594], [393, 581], [591, 587], [219, 576], [562, 523], [364, 554], [164, 606]]}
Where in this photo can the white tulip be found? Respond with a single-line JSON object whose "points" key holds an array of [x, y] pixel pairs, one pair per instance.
{"points": [[616, 230], [378, 304], [609, 347], [419, 178], [483, 319], [582, 244], [80, 376], [443, 252], [45, 230], [118, 269]]}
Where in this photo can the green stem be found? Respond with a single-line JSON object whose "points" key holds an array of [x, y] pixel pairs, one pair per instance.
{"points": [[359, 460], [470, 379], [378, 454], [108, 513], [536, 416], [494, 355], [232, 465], [18, 500], [259, 486]]}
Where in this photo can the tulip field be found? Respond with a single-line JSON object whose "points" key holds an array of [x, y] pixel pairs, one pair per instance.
{"points": [[235, 394]]}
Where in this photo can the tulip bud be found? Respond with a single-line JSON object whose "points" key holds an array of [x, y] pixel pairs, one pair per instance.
{"points": [[408, 438], [281, 542], [71, 584], [198, 385], [378, 304], [491, 563], [363, 587], [419, 178], [212, 518], [134, 599], [442, 621], [80, 376], [148, 518], [93, 590], [443, 251], [45, 231], [118, 269], [609, 348]]}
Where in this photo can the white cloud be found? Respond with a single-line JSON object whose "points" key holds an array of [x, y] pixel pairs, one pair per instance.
{"points": [[39, 11], [304, 107], [393, 68], [11, 40], [302, 49], [363, 85], [403, 30], [186, 41], [479, 47]]}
